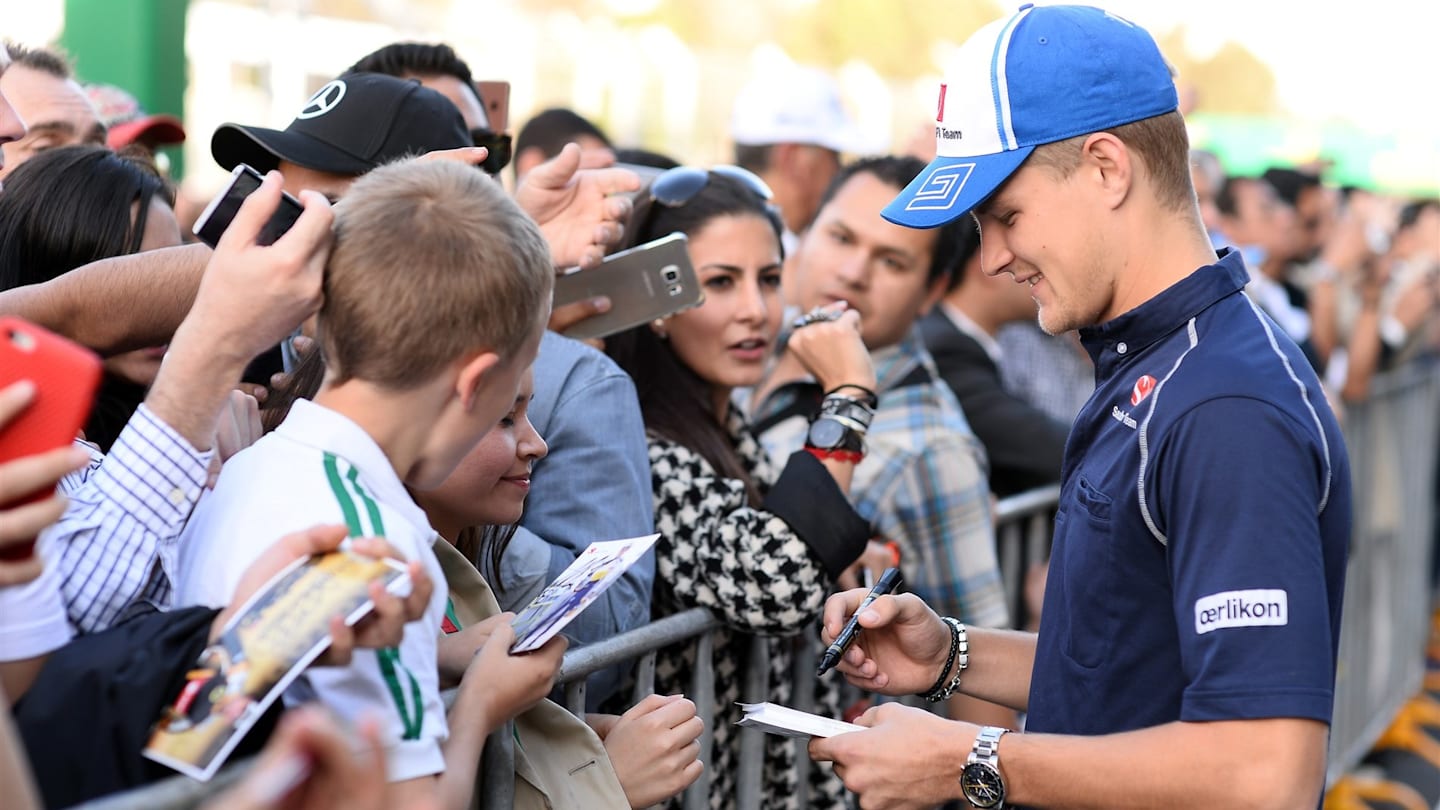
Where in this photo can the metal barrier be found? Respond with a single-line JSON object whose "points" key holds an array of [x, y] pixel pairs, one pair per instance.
{"points": [[643, 643], [1392, 440], [1024, 527], [1022, 531]]}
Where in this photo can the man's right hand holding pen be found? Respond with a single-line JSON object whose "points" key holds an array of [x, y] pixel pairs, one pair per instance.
{"points": [[889, 581], [904, 643]]}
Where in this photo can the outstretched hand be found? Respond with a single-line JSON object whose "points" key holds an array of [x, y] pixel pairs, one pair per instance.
{"points": [[253, 295], [383, 627], [581, 212]]}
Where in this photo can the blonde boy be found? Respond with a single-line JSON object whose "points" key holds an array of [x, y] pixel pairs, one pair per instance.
{"points": [[436, 295]]}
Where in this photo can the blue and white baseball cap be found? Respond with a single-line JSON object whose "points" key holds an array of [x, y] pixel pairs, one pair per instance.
{"points": [[1046, 74]]}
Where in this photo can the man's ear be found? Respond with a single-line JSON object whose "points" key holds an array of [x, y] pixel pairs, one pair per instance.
{"points": [[1109, 163], [473, 372]]}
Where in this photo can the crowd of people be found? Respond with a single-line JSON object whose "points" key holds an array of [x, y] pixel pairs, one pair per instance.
{"points": [[886, 345]]}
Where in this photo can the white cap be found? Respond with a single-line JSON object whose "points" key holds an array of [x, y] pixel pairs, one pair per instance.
{"points": [[802, 105]]}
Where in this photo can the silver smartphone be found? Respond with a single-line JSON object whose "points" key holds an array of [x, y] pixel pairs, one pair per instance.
{"points": [[643, 283]]}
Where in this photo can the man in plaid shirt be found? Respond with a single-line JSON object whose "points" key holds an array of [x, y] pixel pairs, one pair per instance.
{"points": [[922, 482]]}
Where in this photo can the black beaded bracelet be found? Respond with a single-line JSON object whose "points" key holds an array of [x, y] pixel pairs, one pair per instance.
{"points": [[933, 693]]}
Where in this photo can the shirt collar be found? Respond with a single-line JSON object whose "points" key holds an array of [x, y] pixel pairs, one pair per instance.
{"points": [[963, 322], [326, 430], [1133, 331]]}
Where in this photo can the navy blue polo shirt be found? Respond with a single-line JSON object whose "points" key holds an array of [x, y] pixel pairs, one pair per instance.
{"points": [[1199, 557]]}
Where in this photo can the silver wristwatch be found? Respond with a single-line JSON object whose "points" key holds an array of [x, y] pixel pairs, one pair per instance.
{"points": [[980, 780]]}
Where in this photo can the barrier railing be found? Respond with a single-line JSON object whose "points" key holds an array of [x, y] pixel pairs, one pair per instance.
{"points": [[1022, 532], [1392, 439], [1024, 527]]}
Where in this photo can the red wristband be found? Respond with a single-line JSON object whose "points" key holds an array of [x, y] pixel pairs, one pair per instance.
{"points": [[894, 548], [852, 456]]}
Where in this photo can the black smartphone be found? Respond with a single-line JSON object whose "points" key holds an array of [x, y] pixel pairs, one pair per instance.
{"points": [[217, 215]]}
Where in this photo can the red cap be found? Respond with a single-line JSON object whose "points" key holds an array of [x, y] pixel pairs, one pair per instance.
{"points": [[152, 130], [126, 123]]}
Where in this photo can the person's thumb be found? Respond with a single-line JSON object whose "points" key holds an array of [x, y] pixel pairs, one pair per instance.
{"points": [[255, 211], [557, 171]]}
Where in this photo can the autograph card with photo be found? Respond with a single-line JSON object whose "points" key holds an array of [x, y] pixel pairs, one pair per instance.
{"points": [[593, 571], [269, 641]]}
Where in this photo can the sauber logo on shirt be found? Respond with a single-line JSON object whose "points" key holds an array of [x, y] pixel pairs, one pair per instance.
{"points": [[1142, 389], [1122, 417], [1254, 608]]}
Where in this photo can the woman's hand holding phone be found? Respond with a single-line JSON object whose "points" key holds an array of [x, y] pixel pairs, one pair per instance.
{"points": [[21, 522], [47, 385]]}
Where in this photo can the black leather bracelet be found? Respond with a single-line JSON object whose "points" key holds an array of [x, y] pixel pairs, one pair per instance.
{"points": [[870, 397], [933, 694], [962, 659]]}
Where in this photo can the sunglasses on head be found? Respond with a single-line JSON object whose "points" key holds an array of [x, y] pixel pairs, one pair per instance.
{"points": [[677, 186], [498, 143]]}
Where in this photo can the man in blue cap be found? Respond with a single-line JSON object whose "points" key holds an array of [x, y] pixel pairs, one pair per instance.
{"points": [[1187, 654]]}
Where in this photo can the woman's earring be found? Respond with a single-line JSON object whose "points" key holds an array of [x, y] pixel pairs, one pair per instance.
{"points": [[658, 327]]}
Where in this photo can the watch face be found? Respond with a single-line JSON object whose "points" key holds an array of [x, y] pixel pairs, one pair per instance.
{"points": [[981, 785], [826, 434]]}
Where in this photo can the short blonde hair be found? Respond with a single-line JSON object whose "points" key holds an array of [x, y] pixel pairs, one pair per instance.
{"points": [[1161, 143], [432, 261]]}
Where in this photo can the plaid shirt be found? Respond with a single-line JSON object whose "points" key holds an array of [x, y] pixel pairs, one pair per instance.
{"points": [[923, 482]]}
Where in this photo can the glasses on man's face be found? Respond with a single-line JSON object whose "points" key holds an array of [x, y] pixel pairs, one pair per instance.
{"points": [[498, 143], [677, 186]]}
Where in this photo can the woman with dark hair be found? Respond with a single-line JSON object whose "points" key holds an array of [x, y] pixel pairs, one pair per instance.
{"points": [[761, 550], [72, 206]]}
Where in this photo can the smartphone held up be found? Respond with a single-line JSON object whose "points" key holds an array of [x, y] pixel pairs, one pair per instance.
{"points": [[648, 281], [211, 225], [222, 209], [65, 376]]}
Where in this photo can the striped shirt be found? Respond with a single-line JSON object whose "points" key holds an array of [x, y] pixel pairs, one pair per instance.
{"points": [[116, 544], [319, 467], [923, 482]]}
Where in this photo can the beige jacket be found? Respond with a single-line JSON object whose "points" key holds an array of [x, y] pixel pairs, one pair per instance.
{"points": [[560, 763]]}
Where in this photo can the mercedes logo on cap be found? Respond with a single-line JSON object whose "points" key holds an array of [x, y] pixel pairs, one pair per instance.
{"points": [[325, 99]]}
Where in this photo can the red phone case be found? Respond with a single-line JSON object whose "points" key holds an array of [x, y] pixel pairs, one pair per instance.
{"points": [[65, 377]]}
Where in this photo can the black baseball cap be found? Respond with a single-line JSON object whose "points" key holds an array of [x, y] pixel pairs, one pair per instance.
{"points": [[351, 125]]}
